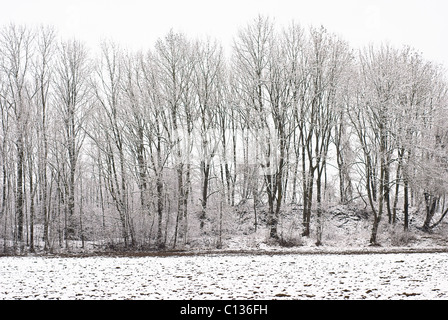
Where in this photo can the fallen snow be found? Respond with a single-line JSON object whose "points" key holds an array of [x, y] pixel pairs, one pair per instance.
{"points": [[291, 276]]}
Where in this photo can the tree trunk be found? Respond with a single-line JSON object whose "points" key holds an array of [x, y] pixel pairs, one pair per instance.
{"points": [[19, 189], [32, 210], [373, 236], [387, 192], [205, 168], [381, 193], [159, 186], [430, 206], [397, 185], [406, 204], [319, 209], [307, 204]]}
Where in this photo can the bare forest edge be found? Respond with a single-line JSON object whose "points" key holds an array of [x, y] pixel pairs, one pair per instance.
{"points": [[289, 142]]}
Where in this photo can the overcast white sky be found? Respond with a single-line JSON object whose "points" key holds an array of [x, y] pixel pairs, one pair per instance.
{"points": [[422, 24]]}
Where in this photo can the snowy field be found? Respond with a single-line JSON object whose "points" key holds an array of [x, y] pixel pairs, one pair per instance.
{"points": [[294, 276]]}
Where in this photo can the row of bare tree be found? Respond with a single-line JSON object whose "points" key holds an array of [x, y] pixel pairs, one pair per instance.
{"points": [[144, 148]]}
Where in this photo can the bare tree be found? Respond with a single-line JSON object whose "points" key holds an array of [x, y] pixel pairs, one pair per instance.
{"points": [[373, 122], [175, 71], [251, 51], [227, 123], [156, 132], [72, 94], [112, 122], [7, 158], [16, 51], [43, 71], [207, 74], [331, 57], [430, 159]]}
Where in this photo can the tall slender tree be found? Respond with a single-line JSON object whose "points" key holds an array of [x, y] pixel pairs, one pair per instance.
{"points": [[173, 56], [43, 71], [73, 95], [16, 50]]}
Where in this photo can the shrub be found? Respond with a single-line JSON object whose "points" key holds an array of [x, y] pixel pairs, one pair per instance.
{"points": [[290, 241], [401, 238]]}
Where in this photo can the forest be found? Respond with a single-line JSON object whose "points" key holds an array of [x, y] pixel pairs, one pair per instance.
{"points": [[148, 150]]}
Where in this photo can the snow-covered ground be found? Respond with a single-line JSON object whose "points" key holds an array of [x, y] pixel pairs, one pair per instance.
{"points": [[241, 276]]}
